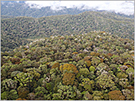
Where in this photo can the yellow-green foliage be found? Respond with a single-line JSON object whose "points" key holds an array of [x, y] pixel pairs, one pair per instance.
{"points": [[105, 81], [64, 93], [122, 75], [87, 84], [123, 82], [68, 67], [24, 79], [4, 95], [8, 84], [13, 94], [9, 95], [95, 61], [33, 72], [97, 95], [68, 79], [40, 91], [129, 64], [84, 71], [92, 68]]}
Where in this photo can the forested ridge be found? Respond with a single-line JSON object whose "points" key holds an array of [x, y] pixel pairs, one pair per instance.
{"points": [[46, 55], [91, 66], [17, 31]]}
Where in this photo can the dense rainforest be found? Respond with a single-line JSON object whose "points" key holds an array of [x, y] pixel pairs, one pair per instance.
{"points": [[95, 65], [22, 30]]}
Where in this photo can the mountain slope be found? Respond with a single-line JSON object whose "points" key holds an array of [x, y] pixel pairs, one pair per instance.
{"points": [[21, 28], [22, 9]]}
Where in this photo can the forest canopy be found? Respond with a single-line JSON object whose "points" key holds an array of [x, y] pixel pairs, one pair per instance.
{"points": [[92, 66], [22, 30]]}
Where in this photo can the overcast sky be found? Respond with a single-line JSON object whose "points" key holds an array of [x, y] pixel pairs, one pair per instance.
{"points": [[126, 7]]}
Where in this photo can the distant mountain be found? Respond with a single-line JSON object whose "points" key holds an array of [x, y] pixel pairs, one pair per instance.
{"points": [[6, 16], [20, 8], [12, 2], [123, 15], [21, 30]]}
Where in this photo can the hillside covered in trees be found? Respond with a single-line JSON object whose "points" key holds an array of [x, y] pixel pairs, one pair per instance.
{"points": [[21, 30], [91, 66]]}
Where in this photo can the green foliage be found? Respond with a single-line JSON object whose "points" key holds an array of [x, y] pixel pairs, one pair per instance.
{"points": [[87, 96], [55, 71], [50, 70], [24, 29], [8, 84], [13, 95], [4, 69], [128, 93], [35, 72], [103, 66], [14, 73], [43, 69], [122, 75], [40, 91], [4, 95], [64, 92], [82, 64], [113, 67], [92, 75], [48, 96], [105, 81], [130, 72], [95, 60], [84, 71], [49, 86], [24, 79], [123, 82], [97, 95], [87, 84], [106, 96], [92, 68]]}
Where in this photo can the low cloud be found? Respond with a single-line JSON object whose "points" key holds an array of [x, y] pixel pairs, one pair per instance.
{"points": [[126, 7]]}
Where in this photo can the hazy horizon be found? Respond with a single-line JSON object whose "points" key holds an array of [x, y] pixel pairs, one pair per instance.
{"points": [[126, 7]]}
